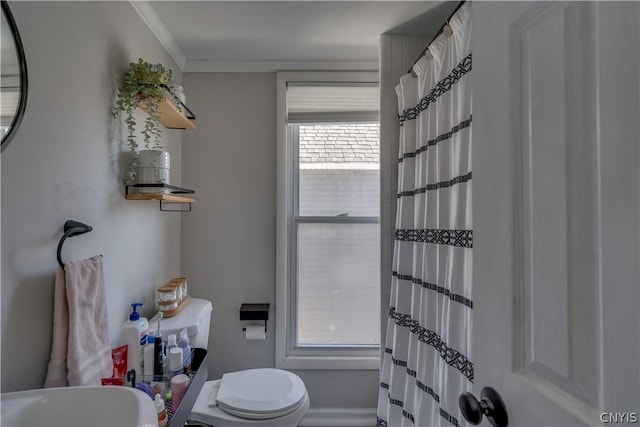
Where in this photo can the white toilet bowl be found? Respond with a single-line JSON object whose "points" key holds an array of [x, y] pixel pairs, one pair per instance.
{"points": [[252, 398]]}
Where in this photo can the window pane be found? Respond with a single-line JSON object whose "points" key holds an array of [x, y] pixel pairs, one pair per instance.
{"points": [[338, 284], [339, 169]]}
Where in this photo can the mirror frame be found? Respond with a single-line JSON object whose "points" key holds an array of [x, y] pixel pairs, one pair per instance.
{"points": [[24, 86]]}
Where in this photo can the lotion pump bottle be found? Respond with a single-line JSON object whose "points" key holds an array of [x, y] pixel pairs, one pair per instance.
{"points": [[134, 335]]}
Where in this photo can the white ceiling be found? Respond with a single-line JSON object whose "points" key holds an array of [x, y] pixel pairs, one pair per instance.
{"points": [[284, 35]]}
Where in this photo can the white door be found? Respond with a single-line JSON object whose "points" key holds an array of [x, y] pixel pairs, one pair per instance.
{"points": [[556, 158]]}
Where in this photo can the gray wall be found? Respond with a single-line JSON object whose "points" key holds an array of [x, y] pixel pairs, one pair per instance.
{"points": [[228, 241], [65, 162]]}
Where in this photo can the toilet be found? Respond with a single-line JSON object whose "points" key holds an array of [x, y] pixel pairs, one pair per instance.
{"points": [[264, 397]]}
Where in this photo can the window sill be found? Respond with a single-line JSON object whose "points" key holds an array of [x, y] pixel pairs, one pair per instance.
{"points": [[330, 362]]}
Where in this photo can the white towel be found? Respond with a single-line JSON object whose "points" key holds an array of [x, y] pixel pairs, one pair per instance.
{"points": [[86, 350]]}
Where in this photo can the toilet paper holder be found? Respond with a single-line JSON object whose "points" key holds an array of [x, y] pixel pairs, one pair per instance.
{"points": [[255, 312]]}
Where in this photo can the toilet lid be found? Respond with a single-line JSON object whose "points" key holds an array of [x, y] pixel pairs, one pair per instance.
{"points": [[260, 393]]}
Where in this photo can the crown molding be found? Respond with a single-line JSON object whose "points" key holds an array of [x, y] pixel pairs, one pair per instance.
{"points": [[153, 21], [151, 18], [209, 66]]}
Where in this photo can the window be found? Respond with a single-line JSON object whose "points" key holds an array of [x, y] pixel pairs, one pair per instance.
{"points": [[328, 302]]}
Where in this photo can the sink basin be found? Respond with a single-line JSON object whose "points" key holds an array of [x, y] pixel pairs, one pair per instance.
{"points": [[78, 407]]}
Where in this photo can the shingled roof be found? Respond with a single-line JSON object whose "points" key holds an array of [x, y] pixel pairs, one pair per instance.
{"points": [[343, 143]]}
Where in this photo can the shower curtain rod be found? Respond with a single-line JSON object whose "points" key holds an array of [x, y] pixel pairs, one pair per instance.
{"points": [[436, 36]]}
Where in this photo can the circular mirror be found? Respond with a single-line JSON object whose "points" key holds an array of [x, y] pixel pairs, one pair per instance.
{"points": [[13, 77]]}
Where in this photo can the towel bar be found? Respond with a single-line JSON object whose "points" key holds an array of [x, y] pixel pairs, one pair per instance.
{"points": [[71, 228]]}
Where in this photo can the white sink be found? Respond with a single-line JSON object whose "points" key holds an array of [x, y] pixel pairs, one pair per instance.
{"points": [[78, 407]]}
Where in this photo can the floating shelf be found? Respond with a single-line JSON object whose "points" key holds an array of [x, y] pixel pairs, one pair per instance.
{"points": [[170, 116], [173, 197], [167, 198]]}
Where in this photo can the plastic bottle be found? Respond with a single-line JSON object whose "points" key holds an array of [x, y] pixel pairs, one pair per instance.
{"points": [[179, 385], [161, 410], [134, 335], [173, 356], [175, 361], [171, 341], [158, 353], [148, 357], [183, 343]]}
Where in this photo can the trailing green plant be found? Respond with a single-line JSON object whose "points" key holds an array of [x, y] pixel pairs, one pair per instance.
{"points": [[143, 84]]}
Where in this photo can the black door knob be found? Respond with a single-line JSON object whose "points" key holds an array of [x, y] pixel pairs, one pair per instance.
{"points": [[490, 405]]}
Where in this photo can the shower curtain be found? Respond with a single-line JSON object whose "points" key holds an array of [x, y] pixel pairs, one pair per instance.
{"points": [[426, 362]]}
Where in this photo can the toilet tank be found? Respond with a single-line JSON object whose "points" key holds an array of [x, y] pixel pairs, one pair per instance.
{"points": [[195, 317]]}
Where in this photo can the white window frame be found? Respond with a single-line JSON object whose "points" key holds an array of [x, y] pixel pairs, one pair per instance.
{"points": [[287, 355]]}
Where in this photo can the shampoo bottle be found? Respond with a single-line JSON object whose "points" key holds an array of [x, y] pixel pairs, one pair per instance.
{"points": [[134, 335]]}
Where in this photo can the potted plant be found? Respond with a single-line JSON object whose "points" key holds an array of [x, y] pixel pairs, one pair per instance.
{"points": [[144, 83]]}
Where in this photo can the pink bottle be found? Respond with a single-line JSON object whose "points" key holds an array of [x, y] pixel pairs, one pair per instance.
{"points": [[179, 385]]}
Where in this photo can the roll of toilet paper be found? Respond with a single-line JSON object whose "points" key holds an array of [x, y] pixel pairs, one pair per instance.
{"points": [[255, 332]]}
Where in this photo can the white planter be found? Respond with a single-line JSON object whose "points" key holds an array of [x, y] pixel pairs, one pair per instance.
{"points": [[153, 168], [153, 159], [178, 91]]}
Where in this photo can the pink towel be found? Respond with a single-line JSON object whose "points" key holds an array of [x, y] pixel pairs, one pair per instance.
{"points": [[57, 370], [80, 354]]}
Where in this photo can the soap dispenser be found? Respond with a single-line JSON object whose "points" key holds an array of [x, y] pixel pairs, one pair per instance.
{"points": [[134, 335]]}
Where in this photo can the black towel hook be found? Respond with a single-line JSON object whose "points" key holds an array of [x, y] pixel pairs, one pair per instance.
{"points": [[71, 228]]}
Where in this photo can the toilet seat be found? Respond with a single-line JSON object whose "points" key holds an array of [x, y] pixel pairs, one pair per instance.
{"points": [[208, 412], [260, 393]]}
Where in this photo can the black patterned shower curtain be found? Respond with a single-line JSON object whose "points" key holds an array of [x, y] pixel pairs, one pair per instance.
{"points": [[426, 363]]}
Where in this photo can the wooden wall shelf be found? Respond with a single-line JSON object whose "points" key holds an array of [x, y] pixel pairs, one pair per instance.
{"points": [[167, 198], [175, 196], [171, 117]]}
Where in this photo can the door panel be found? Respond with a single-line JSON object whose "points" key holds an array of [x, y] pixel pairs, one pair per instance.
{"points": [[557, 197], [542, 230]]}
